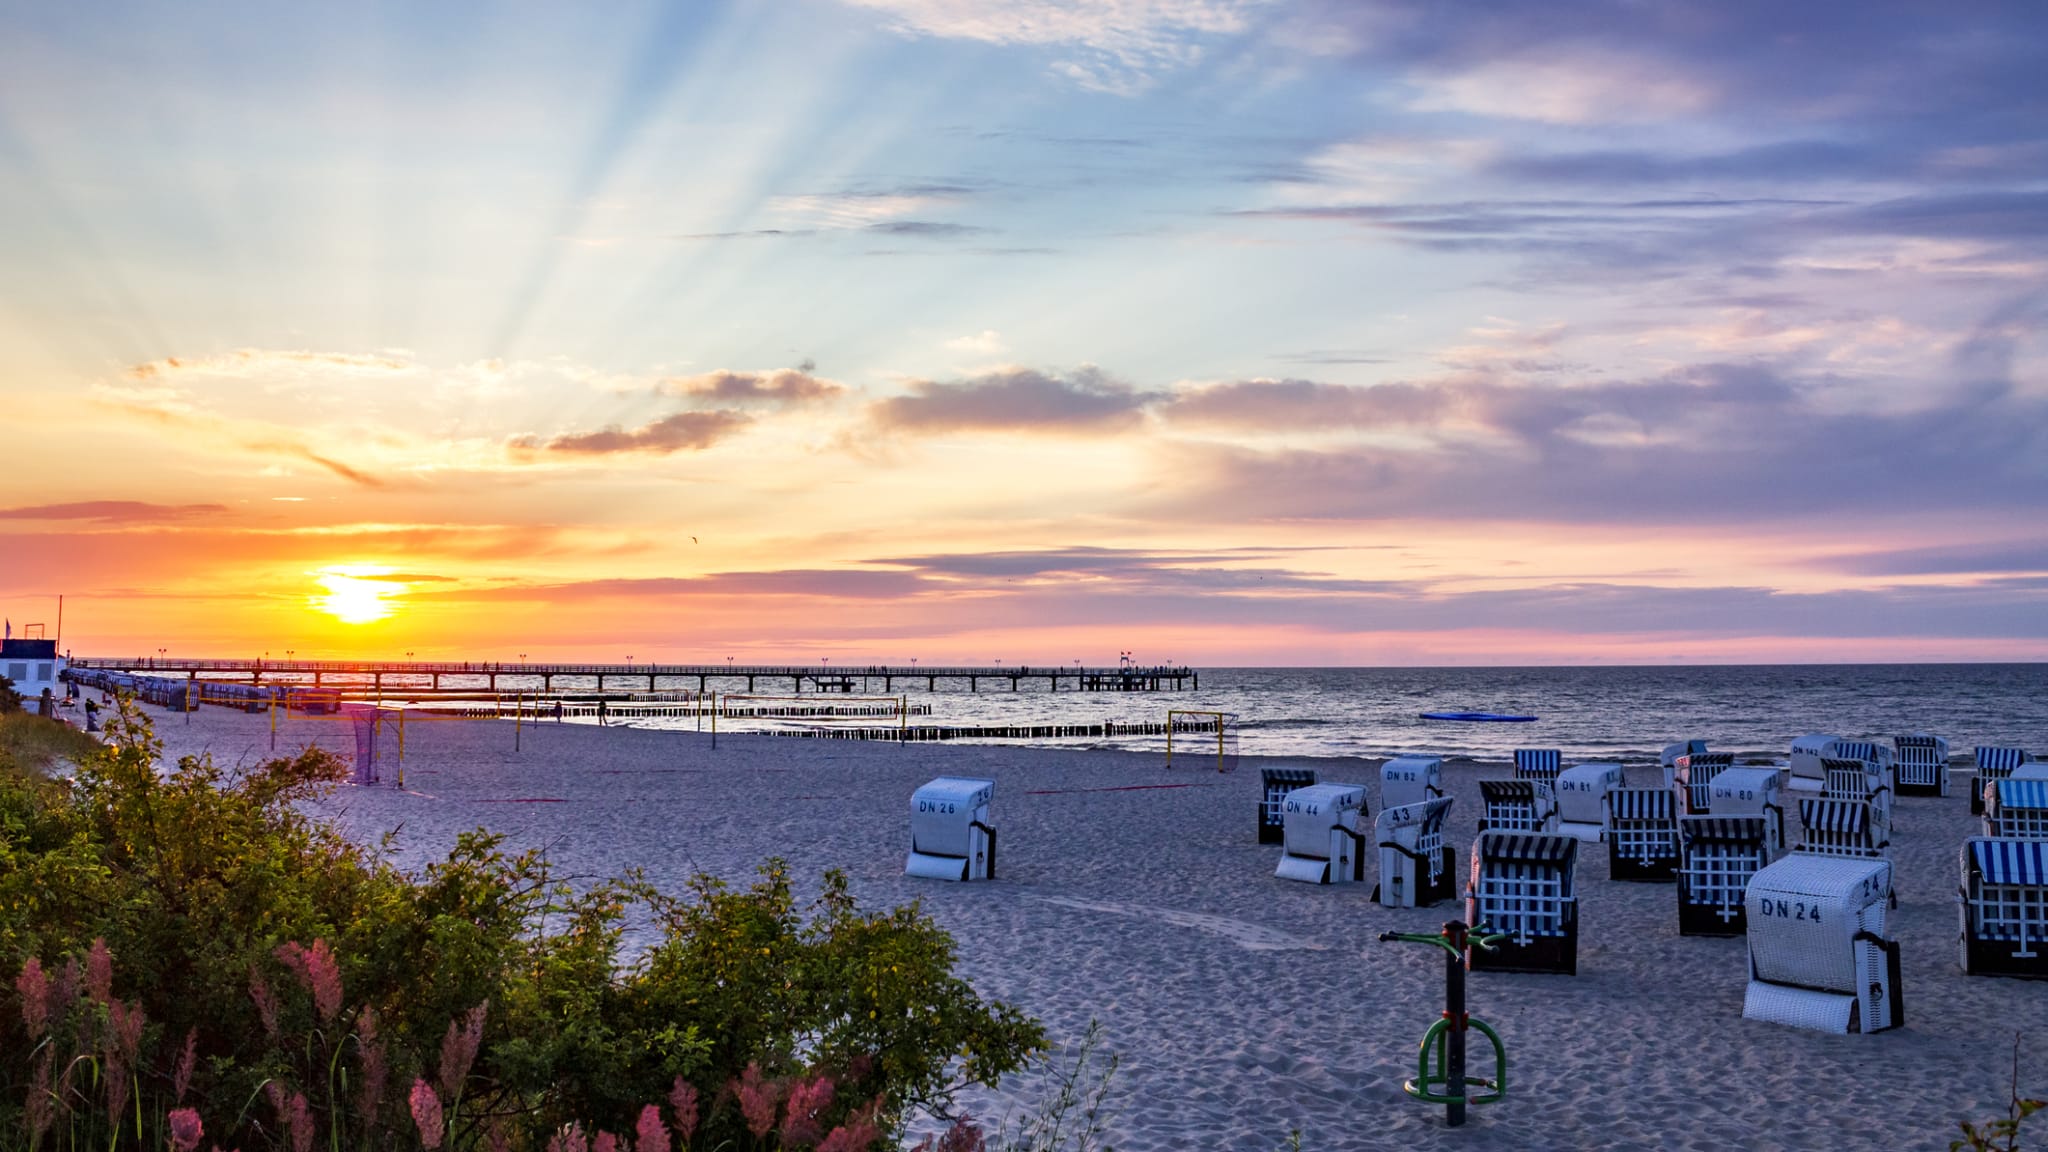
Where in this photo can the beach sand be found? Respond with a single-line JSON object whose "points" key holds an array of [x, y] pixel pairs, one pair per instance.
{"points": [[1241, 1006]]}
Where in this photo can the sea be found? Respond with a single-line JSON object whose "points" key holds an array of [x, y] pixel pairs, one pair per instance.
{"points": [[1605, 713]]}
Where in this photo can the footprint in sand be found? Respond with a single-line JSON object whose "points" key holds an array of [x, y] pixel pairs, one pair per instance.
{"points": [[1251, 937]]}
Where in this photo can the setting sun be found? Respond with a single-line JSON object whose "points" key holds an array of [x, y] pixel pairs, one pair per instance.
{"points": [[354, 595]]}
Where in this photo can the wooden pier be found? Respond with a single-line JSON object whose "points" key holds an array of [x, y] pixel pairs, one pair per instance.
{"points": [[452, 676]]}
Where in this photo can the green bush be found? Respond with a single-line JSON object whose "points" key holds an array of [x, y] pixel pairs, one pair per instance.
{"points": [[195, 951]]}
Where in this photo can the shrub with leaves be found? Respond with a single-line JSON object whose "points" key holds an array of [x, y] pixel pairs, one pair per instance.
{"points": [[192, 958]]}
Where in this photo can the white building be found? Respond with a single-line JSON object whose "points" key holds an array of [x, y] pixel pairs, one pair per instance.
{"points": [[32, 665]]}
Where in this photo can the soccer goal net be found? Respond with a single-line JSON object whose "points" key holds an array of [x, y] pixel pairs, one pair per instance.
{"points": [[1202, 739]]}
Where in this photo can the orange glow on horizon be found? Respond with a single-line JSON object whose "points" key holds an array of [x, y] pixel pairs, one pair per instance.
{"points": [[352, 599]]}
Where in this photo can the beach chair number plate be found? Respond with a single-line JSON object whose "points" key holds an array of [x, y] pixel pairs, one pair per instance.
{"points": [[943, 807], [1790, 910]]}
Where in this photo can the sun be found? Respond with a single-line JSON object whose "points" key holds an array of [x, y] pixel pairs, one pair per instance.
{"points": [[354, 594]]}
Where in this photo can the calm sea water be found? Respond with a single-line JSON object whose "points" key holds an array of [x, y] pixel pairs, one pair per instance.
{"points": [[1606, 713]]}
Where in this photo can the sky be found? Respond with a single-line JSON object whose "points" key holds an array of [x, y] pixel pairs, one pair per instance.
{"points": [[1275, 332]]}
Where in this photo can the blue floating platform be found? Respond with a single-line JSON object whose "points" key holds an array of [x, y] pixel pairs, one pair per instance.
{"points": [[1479, 717]]}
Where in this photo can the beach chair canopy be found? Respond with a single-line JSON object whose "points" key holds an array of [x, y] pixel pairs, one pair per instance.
{"points": [[943, 813], [1639, 804], [1537, 763], [2021, 863]]}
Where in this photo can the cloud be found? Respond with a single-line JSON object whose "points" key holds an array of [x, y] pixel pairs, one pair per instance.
{"points": [[271, 362], [1582, 87], [1717, 442], [1944, 560], [785, 387], [113, 511], [820, 583], [932, 228], [1120, 47], [1086, 401], [681, 431], [352, 475]]}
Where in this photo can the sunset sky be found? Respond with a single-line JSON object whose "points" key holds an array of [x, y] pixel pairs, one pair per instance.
{"points": [[1219, 331]]}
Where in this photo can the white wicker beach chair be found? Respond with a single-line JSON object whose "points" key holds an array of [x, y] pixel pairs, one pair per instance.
{"points": [[1411, 780], [1693, 778], [1321, 841], [1517, 806], [1750, 792], [1642, 834], [1807, 753], [1922, 766], [950, 834], [1582, 799], [2017, 810], [1993, 763], [1819, 954], [1274, 785], [1716, 857], [1526, 887], [1840, 828], [2004, 907], [1417, 868], [1540, 764]]}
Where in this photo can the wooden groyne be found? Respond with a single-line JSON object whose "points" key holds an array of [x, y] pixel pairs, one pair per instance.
{"points": [[926, 732]]}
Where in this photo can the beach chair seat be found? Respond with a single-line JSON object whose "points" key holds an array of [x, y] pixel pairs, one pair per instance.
{"points": [[951, 837], [1274, 785], [1411, 780], [1819, 953], [1668, 759], [1921, 767], [2017, 810], [1417, 869], [1642, 834], [2003, 903], [1993, 763], [1525, 887], [1539, 764], [1693, 778], [1582, 799], [1840, 828], [1517, 806], [1750, 792], [1321, 840], [1717, 855]]}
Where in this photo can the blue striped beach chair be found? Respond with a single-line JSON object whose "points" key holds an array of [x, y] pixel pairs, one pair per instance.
{"points": [[2017, 810], [1642, 834], [1716, 857], [1693, 777], [1540, 764], [1517, 806], [1274, 785], [1862, 782], [1417, 869], [1840, 828], [1993, 764], [2003, 903], [1525, 886], [1922, 765]]}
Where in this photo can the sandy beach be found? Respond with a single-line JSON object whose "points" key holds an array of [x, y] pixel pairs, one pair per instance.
{"points": [[1241, 1006]]}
